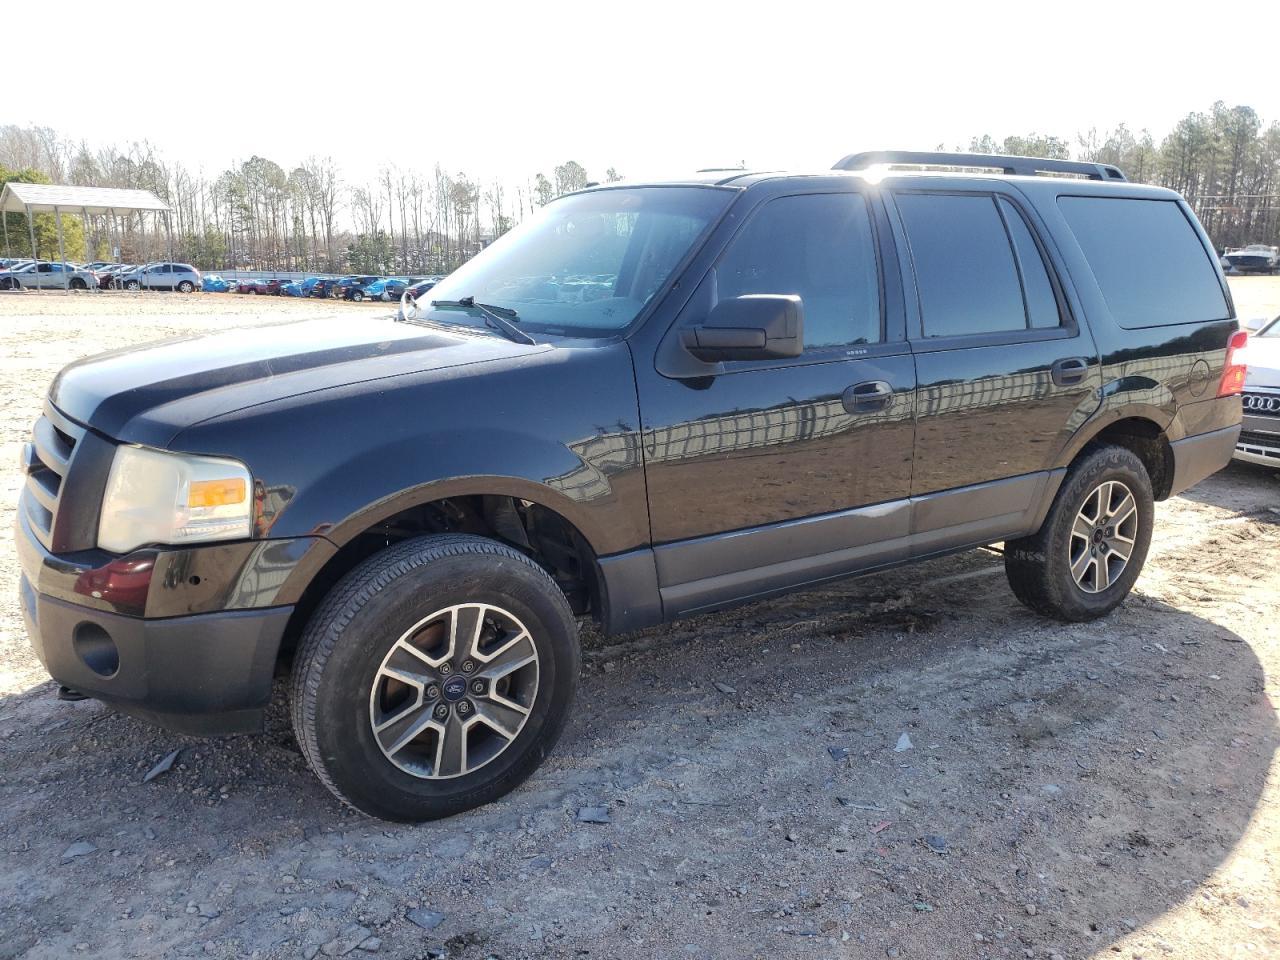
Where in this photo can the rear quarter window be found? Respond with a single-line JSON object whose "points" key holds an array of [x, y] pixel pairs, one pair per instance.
{"points": [[1148, 260]]}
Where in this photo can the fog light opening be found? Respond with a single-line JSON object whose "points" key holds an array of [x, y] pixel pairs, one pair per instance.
{"points": [[95, 647]]}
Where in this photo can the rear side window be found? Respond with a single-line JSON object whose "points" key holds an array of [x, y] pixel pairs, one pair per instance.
{"points": [[819, 247], [1042, 302], [965, 270], [1148, 260]]}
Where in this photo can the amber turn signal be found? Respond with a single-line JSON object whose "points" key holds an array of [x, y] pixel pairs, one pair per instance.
{"points": [[216, 493]]}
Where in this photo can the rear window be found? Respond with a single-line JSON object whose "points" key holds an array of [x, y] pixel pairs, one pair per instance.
{"points": [[1148, 260]]}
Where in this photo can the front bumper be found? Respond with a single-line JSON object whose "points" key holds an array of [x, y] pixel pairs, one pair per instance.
{"points": [[1259, 441], [205, 674], [185, 638]]}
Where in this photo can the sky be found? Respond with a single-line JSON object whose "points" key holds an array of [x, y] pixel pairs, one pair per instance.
{"points": [[503, 91]]}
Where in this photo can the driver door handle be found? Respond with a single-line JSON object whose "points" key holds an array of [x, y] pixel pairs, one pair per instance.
{"points": [[868, 397]]}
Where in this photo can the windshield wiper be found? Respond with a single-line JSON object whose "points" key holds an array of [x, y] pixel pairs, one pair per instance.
{"points": [[499, 318]]}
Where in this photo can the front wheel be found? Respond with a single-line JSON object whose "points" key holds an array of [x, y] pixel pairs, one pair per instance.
{"points": [[357, 295], [1084, 559], [434, 678]]}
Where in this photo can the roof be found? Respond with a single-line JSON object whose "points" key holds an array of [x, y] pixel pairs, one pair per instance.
{"points": [[45, 198]]}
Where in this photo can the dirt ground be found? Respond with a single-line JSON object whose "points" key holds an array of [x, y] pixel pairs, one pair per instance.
{"points": [[910, 765]]}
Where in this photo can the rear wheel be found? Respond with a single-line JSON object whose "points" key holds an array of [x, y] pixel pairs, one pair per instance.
{"points": [[186, 286], [78, 284], [1085, 557], [132, 285], [435, 677], [357, 295]]}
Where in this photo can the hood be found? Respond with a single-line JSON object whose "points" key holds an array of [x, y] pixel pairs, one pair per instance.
{"points": [[1262, 357], [148, 394]]}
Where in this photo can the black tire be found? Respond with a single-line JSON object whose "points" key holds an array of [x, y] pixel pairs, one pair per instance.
{"points": [[1039, 566], [186, 286], [78, 284], [132, 285], [357, 295], [363, 620]]}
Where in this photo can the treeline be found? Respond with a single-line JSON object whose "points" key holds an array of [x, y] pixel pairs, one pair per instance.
{"points": [[261, 215], [1226, 162]]}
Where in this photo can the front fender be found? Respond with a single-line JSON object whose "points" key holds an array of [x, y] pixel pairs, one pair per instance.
{"points": [[559, 428]]}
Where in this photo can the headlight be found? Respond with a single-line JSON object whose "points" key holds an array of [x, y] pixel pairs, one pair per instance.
{"points": [[157, 497]]}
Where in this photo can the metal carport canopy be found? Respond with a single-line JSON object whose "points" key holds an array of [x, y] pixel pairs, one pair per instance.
{"points": [[51, 198], [55, 198]]}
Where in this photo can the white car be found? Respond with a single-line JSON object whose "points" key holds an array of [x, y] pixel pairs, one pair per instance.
{"points": [[182, 277], [1260, 433], [48, 276]]}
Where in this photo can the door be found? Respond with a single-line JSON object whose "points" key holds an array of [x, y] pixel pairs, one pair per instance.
{"points": [[771, 474], [1005, 375]]}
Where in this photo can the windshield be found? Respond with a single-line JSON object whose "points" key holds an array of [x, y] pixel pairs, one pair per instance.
{"points": [[586, 265]]}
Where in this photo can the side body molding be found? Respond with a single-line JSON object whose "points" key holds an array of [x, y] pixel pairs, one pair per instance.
{"points": [[651, 585]]}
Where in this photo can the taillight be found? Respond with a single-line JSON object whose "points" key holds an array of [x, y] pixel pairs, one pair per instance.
{"points": [[1233, 373]]}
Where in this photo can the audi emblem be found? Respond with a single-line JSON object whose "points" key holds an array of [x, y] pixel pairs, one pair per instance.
{"points": [[1260, 403]]}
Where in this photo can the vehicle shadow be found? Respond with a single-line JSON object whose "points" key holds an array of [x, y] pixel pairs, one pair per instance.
{"points": [[1058, 787]]}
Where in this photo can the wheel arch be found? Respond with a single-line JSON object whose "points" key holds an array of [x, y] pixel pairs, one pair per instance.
{"points": [[1141, 432], [540, 522]]}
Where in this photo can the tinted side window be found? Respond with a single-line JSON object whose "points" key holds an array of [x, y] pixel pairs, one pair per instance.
{"points": [[819, 247], [1148, 260], [1042, 303], [964, 266]]}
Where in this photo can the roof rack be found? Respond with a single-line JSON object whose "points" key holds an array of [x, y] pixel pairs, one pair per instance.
{"points": [[1019, 166]]}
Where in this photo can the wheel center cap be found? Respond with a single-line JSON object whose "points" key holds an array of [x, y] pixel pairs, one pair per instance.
{"points": [[455, 688]]}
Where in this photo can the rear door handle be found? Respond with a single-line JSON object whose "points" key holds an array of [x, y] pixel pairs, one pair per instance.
{"points": [[868, 397], [1070, 371]]}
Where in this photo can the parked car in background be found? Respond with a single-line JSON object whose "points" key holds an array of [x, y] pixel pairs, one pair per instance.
{"points": [[255, 286], [418, 289], [324, 288], [1260, 436], [46, 275], [98, 265], [182, 277], [291, 289], [1255, 258], [215, 283], [109, 276], [352, 287], [382, 288]]}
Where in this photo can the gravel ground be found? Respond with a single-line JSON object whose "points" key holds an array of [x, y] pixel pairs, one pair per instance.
{"points": [[910, 765]]}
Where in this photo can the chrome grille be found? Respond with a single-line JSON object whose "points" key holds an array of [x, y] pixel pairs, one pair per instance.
{"points": [[47, 460], [1261, 404]]}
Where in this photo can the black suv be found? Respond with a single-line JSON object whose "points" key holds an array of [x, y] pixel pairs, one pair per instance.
{"points": [[648, 401]]}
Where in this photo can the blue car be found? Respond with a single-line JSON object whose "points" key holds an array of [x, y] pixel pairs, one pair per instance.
{"points": [[216, 284], [291, 289]]}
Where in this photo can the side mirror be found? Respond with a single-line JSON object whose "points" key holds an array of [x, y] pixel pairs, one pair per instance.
{"points": [[761, 326]]}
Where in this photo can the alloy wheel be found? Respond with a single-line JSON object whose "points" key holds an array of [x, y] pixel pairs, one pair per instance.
{"points": [[1102, 536], [454, 691]]}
